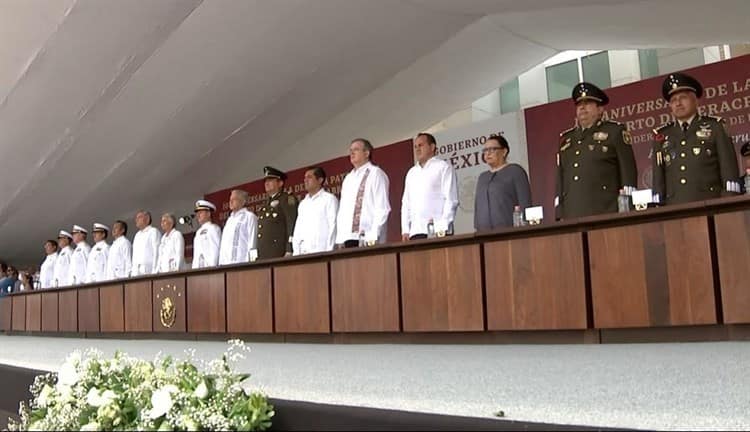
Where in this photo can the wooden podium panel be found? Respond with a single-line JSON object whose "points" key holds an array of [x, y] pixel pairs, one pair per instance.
{"points": [[6, 312], [68, 311], [733, 250], [249, 305], [206, 303], [34, 312], [536, 283], [49, 311], [111, 309], [138, 307], [169, 307], [441, 289], [652, 275], [88, 310], [19, 313], [301, 298], [364, 294]]}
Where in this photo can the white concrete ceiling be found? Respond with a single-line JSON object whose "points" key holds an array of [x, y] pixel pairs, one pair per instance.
{"points": [[110, 105]]}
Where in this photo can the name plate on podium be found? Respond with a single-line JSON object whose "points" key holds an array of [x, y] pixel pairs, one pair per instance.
{"points": [[534, 215], [642, 198]]}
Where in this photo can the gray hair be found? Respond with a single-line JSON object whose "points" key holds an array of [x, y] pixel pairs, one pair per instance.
{"points": [[243, 194], [171, 217], [147, 213]]}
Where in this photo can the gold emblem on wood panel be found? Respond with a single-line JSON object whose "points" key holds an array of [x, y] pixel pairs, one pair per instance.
{"points": [[168, 311]]}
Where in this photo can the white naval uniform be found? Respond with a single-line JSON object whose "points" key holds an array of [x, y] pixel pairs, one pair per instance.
{"points": [[96, 268], [77, 272], [145, 251], [119, 261], [206, 246], [240, 235], [430, 192], [375, 205], [62, 267], [315, 229], [47, 271], [171, 252]]}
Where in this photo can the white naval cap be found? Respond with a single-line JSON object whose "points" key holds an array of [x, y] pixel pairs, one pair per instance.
{"points": [[204, 205], [64, 233], [100, 227], [79, 229]]}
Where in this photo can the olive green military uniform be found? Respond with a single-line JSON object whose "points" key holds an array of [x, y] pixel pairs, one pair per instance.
{"points": [[275, 225], [696, 164], [592, 166]]}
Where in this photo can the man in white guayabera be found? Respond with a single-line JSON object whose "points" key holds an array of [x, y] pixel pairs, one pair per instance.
{"points": [[145, 245], [238, 240]]}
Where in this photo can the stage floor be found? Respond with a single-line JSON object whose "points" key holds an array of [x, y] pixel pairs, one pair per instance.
{"points": [[672, 386]]}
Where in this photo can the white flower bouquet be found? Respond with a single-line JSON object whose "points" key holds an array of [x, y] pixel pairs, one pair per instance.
{"points": [[124, 393]]}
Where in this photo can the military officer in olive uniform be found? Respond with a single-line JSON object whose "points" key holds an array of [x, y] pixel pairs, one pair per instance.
{"points": [[595, 159], [276, 218], [693, 156]]}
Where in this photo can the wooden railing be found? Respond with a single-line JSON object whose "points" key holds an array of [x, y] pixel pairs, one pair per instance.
{"points": [[684, 265]]}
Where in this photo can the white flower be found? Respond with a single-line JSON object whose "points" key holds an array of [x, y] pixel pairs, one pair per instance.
{"points": [[36, 426], [44, 396], [93, 426], [96, 398], [201, 391], [93, 398], [161, 401], [190, 424], [68, 374], [66, 393]]}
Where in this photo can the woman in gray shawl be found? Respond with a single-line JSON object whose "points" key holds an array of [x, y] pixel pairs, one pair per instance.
{"points": [[500, 189]]}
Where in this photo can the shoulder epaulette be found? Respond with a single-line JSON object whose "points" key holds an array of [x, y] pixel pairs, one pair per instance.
{"points": [[715, 118], [567, 130], [664, 126], [616, 123]]}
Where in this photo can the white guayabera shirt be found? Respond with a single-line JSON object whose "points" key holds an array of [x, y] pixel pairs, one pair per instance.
{"points": [[240, 235], [171, 252], [145, 251], [119, 261], [375, 205], [430, 193], [315, 229], [47, 272]]}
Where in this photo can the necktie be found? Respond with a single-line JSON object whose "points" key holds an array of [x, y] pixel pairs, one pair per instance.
{"points": [[685, 126], [358, 202]]}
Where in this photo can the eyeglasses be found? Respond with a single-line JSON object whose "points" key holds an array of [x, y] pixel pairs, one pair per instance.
{"points": [[491, 149]]}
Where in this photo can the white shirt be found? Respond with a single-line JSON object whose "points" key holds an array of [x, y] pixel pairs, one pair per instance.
{"points": [[77, 271], [96, 270], [375, 205], [145, 251], [119, 261], [240, 235], [206, 246], [47, 272], [430, 192], [171, 252], [62, 267], [315, 229]]}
